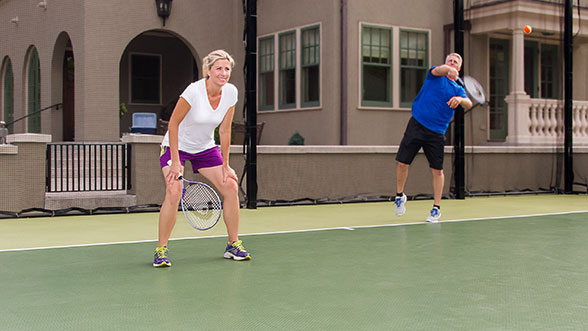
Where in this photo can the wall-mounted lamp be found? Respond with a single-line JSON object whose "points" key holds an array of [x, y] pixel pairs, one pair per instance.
{"points": [[163, 9], [43, 4], [14, 20]]}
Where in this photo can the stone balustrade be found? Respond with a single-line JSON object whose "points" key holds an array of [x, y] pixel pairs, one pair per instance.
{"points": [[541, 121]]}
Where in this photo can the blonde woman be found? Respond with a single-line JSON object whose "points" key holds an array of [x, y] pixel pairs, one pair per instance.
{"points": [[202, 106]]}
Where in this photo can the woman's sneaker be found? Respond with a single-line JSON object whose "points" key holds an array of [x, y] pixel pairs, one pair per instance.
{"points": [[161, 259], [434, 216], [400, 201], [236, 251]]}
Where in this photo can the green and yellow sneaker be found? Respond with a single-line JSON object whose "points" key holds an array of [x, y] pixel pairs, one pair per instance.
{"points": [[236, 251], [161, 259]]}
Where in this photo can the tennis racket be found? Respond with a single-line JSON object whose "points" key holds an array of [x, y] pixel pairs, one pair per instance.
{"points": [[474, 89], [201, 205]]}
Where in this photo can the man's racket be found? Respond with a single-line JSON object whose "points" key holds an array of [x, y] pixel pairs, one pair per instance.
{"points": [[473, 89], [201, 205]]}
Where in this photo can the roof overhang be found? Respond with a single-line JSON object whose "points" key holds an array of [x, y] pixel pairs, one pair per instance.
{"points": [[546, 18]]}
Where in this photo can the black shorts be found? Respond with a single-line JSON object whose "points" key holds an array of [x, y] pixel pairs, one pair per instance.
{"points": [[417, 136]]}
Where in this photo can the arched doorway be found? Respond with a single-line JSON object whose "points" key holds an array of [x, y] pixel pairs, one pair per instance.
{"points": [[63, 89], [155, 67]]}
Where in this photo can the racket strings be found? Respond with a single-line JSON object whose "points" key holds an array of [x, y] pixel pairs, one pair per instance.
{"points": [[201, 205]]}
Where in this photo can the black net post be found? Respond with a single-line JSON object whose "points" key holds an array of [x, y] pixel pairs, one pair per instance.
{"points": [[568, 69], [250, 102], [458, 123]]}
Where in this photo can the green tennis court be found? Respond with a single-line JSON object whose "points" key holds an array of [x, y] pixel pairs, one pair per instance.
{"points": [[494, 263]]}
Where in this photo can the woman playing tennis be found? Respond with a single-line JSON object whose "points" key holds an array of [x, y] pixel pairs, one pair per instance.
{"points": [[202, 106]]}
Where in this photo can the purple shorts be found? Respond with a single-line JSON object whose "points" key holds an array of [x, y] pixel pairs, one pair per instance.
{"points": [[206, 159]]}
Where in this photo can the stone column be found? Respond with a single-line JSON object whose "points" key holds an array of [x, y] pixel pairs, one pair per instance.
{"points": [[518, 101], [22, 179], [517, 74], [146, 179]]}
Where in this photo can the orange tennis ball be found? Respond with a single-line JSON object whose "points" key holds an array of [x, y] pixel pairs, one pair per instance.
{"points": [[528, 29]]}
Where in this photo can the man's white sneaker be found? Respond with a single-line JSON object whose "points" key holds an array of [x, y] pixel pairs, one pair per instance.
{"points": [[434, 216], [400, 201]]}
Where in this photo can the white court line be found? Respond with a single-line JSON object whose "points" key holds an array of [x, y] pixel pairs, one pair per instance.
{"points": [[351, 228]]}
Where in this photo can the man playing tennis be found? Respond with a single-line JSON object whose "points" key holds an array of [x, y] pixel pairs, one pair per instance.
{"points": [[190, 137], [432, 111]]}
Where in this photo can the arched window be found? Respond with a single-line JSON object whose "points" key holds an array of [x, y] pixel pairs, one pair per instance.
{"points": [[7, 94], [34, 93]]}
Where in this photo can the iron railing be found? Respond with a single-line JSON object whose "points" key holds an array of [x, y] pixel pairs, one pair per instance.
{"points": [[81, 167]]}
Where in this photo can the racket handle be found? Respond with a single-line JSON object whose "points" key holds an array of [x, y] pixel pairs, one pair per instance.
{"points": [[460, 82]]}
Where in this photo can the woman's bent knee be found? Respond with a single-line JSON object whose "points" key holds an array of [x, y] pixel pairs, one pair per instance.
{"points": [[173, 191], [229, 188]]}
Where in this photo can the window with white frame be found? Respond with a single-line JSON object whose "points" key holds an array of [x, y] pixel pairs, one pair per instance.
{"points": [[145, 78], [266, 73], [287, 61], [392, 54], [413, 64], [296, 82], [310, 63], [376, 54]]}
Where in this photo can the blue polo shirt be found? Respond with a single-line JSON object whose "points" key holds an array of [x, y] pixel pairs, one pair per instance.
{"points": [[430, 106]]}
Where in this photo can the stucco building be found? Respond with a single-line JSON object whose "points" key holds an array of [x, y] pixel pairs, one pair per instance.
{"points": [[336, 71]]}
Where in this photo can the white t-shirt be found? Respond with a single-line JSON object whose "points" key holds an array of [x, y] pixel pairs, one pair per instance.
{"points": [[196, 131]]}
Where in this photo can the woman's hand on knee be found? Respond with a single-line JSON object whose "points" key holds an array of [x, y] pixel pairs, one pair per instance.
{"points": [[173, 189], [229, 173]]}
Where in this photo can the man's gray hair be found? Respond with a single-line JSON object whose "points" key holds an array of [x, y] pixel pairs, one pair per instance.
{"points": [[457, 56]]}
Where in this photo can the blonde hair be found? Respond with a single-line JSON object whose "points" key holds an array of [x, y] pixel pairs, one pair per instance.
{"points": [[457, 56], [212, 57]]}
